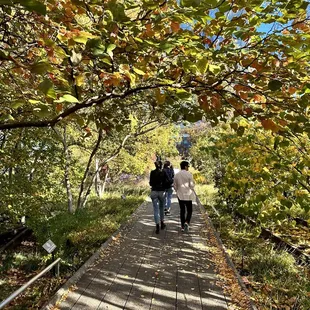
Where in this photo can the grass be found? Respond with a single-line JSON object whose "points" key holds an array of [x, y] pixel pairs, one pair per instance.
{"points": [[274, 278], [77, 237]]}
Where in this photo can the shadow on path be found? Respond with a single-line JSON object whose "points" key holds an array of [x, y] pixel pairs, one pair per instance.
{"points": [[144, 270]]}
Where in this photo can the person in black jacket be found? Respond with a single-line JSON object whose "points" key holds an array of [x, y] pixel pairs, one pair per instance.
{"points": [[168, 169], [157, 183]]}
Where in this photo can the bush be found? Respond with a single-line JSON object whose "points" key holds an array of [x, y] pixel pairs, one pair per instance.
{"points": [[273, 265]]}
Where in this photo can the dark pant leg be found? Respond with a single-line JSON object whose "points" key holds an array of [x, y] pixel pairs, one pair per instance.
{"points": [[189, 210], [182, 211]]}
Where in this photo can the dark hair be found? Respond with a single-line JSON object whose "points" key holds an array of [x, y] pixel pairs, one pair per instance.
{"points": [[166, 164], [184, 164], [158, 164]]}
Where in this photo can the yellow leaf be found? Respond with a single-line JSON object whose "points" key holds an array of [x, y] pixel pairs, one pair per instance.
{"points": [[138, 71], [79, 80]]}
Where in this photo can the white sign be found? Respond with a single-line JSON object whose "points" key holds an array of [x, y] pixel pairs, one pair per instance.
{"points": [[49, 246]]}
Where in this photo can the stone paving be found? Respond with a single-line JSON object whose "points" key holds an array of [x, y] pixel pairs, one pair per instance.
{"points": [[149, 271]]}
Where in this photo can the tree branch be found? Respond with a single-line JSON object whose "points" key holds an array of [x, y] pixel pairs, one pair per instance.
{"points": [[88, 103]]}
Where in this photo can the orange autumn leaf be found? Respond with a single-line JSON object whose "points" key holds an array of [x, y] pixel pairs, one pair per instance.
{"points": [[59, 107], [243, 95], [257, 66], [149, 32], [203, 102], [269, 124], [282, 122], [248, 111], [292, 90], [238, 88], [237, 104], [175, 26], [259, 98], [216, 103]]}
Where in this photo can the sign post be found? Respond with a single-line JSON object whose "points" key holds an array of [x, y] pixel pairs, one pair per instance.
{"points": [[49, 246]]}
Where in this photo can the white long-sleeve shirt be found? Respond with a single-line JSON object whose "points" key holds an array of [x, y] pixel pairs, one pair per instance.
{"points": [[184, 185]]}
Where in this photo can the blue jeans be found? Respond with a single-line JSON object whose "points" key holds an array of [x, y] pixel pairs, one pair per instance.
{"points": [[168, 196], [158, 200]]}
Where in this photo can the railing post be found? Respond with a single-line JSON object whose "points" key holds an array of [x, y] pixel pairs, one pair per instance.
{"points": [[57, 270]]}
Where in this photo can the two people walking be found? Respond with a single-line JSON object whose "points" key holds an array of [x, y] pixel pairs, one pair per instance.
{"points": [[162, 182]]}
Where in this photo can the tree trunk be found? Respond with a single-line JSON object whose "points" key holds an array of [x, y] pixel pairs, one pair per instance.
{"points": [[82, 200], [97, 179], [102, 174], [67, 173], [104, 182], [67, 164]]}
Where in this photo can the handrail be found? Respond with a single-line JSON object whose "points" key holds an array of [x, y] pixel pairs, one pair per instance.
{"points": [[22, 232], [22, 288]]}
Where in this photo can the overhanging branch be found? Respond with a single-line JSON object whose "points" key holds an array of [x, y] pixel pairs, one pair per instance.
{"points": [[86, 104]]}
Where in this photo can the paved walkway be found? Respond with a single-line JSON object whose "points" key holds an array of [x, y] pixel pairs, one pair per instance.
{"points": [[143, 270]]}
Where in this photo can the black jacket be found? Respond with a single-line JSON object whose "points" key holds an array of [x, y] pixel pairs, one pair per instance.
{"points": [[169, 177], [157, 180]]}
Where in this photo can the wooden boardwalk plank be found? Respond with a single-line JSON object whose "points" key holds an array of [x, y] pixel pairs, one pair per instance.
{"points": [[171, 270]]}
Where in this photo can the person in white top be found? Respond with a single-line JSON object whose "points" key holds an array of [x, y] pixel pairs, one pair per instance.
{"points": [[184, 187]]}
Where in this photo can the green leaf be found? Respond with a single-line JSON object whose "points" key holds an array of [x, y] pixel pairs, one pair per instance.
{"points": [[40, 67], [189, 66], [118, 11], [202, 65], [47, 87], [138, 40], [3, 54], [190, 3], [33, 101], [30, 5], [79, 119], [133, 13], [214, 69], [41, 110], [274, 85], [68, 98], [183, 94], [240, 131], [110, 49], [83, 37], [80, 39], [17, 104], [6, 117], [167, 47]]}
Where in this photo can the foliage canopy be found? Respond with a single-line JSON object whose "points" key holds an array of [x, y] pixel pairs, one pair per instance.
{"points": [[61, 58]]}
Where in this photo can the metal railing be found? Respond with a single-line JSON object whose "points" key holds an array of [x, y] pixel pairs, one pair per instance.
{"points": [[22, 288]]}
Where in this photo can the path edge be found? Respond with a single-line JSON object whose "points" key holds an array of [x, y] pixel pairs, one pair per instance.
{"points": [[64, 289], [227, 257]]}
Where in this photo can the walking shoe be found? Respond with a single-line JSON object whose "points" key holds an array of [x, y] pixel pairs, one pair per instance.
{"points": [[162, 225], [157, 229], [186, 227], [182, 229]]}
